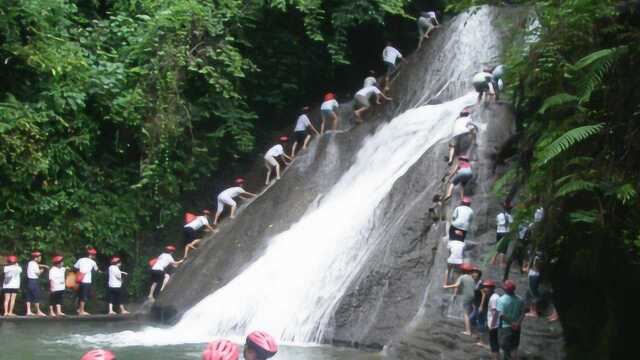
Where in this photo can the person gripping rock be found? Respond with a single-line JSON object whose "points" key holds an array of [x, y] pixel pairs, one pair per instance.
{"points": [[461, 220], [460, 175], [301, 131], [390, 56], [271, 158], [427, 22], [463, 127], [226, 198], [482, 82], [159, 274], [465, 288], [362, 100], [190, 231], [328, 111]]}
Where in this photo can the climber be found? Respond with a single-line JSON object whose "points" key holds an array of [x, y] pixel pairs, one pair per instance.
{"points": [[259, 346], [511, 310], [461, 219], [158, 270], [115, 287], [34, 269], [503, 227], [465, 286], [300, 132], [371, 79], [362, 100], [84, 267], [427, 21], [492, 316], [496, 79], [483, 85], [98, 354], [461, 174], [221, 350], [226, 198], [11, 284], [56, 286], [328, 111], [456, 257], [462, 127], [271, 158], [190, 231], [390, 55], [478, 316]]}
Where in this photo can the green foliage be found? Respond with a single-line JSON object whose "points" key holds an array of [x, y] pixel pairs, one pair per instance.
{"points": [[567, 140]]}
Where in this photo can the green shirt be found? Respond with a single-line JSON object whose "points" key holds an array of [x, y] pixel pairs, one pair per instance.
{"points": [[466, 287], [512, 307]]}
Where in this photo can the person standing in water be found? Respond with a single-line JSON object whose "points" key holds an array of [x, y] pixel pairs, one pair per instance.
{"points": [[483, 84], [34, 269], [226, 198], [271, 158], [390, 56], [115, 287], [190, 231], [85, 267], [362, 100], [328, 111], [259, 346], [56, 286], [11, 284], [159, 275], [461, 174], [427, 21], [301, 133]]}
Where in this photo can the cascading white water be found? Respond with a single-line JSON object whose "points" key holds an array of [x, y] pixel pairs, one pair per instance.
{"points": [[292, 290]]}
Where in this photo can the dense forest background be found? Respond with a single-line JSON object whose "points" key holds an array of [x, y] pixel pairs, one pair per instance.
{"points": [[116, 116]]}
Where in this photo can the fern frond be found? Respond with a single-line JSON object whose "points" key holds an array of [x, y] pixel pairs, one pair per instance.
{"points": [[585, 216], [625, 193], [575, 186], [569, 139], [595, 57], [558, 100], [599, 62], [508, 177]]}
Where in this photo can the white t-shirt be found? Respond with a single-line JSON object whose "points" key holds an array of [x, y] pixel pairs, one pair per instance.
{"points": [[368, 91], [456, 250], [330, 105], [86, 265], [198, 222], [56, 279], [12, 276], [462, 125], [302, 123], [482, 77], [391, 54], [523, 230], [163, 261], [276, 150], [492, 313], [462, 217], [33, 270], [539, 215], [369, 81], [431, 14], [115, 277], [231, 192], [503, 222]]}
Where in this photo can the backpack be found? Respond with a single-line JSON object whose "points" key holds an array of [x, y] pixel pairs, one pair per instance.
{"points": [[153, 262]]}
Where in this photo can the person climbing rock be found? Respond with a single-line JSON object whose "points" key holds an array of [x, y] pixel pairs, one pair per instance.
{"points": [[115, 287], [158, 270], [465, 287], [34, 269], [362, 100], [463, 127], [483, 85], [493, 318], [301, 133], [496, 79], [259, 346], [226, 198], [56, 286], [98, 354], [461, 220], [478, 316], [534, 288], [427, 21], [455, 259], [370, 80], [390, 56], [503, 227], [461, 175], [271, 158], [511, 310], [190, 231], [221, 350], [328, 111], [85, 267], [11, 284]]}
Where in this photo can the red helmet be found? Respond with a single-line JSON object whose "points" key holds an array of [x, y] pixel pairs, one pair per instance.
{"points": [[509, 287], [239, 181], [283, 138], [35, 254], [206, 211], [489, 283], [467, 267], [170, 248], [466, 200], [263, 344], [329, 96], [12, 259], [92, 251], [221, 350], [463, 158], [98, 354], [56, 259], [115, 260]]}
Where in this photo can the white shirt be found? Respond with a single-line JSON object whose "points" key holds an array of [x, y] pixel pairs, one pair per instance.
{"points": [[462, 217], [330, 105], [503, 222], [482, 77], [431, 14], [492, 313], [539, 215], [86, 265], [368, 91], [276, 150], [198, 222], [369, 81], [115, 276], [33, 270], [163, 261], [391, 54], [56, 278], [12, 276], [462, 125], [456, 248], [231, 192], [302, 123]]}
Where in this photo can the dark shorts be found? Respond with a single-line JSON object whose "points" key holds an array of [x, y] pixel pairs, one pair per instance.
{"points": [[115, 295], [467, 307], [33, 291], [454, 236], [55, 298], [508, 339], [10, 291], [157, 276], [462, 177], [493, 340], [390, 67], [481, 86], [534, 287], [189, 235], [326, 114], [83, 292], [299, 136], [499, 236]]}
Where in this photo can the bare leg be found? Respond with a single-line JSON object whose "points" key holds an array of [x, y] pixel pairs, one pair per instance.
{"points": [[38, 311], [190, 247], [446, 275], [359, 112], [461, 191], [479, 97], [452, 150], [335, 121], [81, 310], [215, 220], [306, 141], [293, 149], [111, 312], [166, 280], [12, 304], [6, 304], [51, 312], [322, 126], [266, 182], [28, 312], [123, 310], [233, 212], [449, 191], [467, 324], [278, 171], [152, 290], [60, 313]]}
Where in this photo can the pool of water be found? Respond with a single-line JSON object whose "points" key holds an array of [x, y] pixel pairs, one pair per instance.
{"points": [[59, 340]]}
